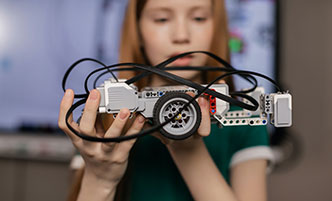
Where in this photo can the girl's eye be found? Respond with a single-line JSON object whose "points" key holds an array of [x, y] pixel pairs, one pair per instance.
{"points": [[161, 20], [199, 19]]}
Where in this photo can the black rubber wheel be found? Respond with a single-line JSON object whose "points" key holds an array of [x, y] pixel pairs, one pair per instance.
{"points": [[185, 124]]}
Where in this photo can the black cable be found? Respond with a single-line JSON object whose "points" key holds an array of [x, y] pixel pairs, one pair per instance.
{"points": [[140, 134], [170, 60], [108, 68], [177, 68], [65, 77], [183, 81], [160, 70], [194, 85]]}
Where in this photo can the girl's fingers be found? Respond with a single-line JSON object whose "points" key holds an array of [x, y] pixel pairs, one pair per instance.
{"points": [[205, 127], [87, 123], [116, 128], [118, 124], [123, 148], [66, 103], [100, 131]]}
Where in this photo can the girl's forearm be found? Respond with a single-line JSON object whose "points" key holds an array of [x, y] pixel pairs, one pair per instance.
{"points": [[93, 188], [200, 173]]}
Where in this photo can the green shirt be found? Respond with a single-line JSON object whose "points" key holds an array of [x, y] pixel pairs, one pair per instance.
{"points": [[154, 175]]}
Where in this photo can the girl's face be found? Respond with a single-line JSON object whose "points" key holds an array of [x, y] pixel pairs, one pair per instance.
{"points": [[171, 27]]}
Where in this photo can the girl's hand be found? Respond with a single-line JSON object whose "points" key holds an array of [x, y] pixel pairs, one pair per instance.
{"points": [[104, 162]]}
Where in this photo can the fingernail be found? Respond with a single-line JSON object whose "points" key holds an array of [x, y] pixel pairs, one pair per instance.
{"points": [[123, 114], [93, 95], [141, 119], [68, 93]]}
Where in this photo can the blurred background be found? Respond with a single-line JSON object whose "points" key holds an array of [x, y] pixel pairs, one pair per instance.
{"points": [[39, 39]]}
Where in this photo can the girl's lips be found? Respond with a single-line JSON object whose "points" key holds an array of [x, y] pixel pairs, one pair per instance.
{"points": [[183, 61]]}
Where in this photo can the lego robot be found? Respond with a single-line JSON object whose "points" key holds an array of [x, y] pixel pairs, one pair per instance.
{"points": [[160, 104]]}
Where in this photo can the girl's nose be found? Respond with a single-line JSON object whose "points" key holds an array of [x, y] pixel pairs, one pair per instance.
{"points": [[181, 33]]}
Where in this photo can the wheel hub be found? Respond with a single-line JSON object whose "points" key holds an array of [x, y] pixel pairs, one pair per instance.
{"points": [[178, 117]]}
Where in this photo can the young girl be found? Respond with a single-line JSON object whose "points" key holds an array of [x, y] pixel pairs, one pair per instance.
{"points": [[215, 164]]}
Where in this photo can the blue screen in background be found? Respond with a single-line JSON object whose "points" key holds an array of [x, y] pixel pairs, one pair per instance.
{"points": [[252, 26], [40, 39]]}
